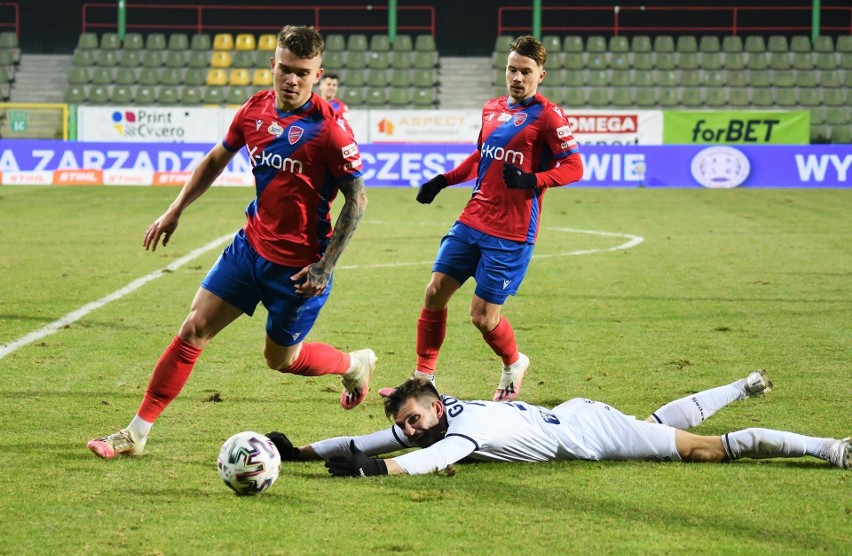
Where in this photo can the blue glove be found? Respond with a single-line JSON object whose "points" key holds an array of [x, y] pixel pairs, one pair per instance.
{"points": [[355, 465], [516, 178], [431, 188]]}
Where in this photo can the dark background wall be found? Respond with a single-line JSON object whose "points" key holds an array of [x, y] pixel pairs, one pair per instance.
{"points": [[463, 27]]}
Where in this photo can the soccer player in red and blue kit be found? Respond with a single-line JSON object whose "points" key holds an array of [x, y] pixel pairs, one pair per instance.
{"points": [[328, 91], [525, 145], [302, 154]]}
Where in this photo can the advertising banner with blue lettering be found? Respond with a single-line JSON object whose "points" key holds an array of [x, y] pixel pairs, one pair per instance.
{"points": [[28, 162]]}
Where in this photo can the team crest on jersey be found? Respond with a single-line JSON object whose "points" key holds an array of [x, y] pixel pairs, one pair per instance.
{"points": [[275, 129], [504, 117], [520, 119], [294, 134]]}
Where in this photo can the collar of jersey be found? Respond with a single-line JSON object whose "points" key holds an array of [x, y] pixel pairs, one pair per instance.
{"points": [[282, 113], [522, 104]]}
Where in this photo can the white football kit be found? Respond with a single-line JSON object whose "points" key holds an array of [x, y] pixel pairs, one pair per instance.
{"points": [[520, 432]]}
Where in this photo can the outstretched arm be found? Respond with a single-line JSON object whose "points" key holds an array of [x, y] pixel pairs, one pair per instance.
{"points": [[313, 279], [202, 177]]}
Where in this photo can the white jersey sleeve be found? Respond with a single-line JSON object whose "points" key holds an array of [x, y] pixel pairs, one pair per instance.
{"points": [[436, 457], [379, 442]]}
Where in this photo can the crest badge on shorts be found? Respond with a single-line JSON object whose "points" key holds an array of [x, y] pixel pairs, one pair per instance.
{"points": [[520, 119], [294, 134]]}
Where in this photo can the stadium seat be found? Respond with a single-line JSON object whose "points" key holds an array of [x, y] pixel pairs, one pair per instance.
{"points": [[833, 97], [155, 41], [83, 58], [732, 44], [619, 43], [171, 77], [734, 61], [572, 44], [145, 95], [817, 113], [709, 44], [152, 58], [356, 60], [98, 94], [711, 61], [148, 77], [847, 79], [261, 77], [269, 42], [686, 44], [75, 94], [375, 97], [690, 78], [400, 78], [552, 43], [715, 98], [810, 98], [333, 61], [200, 41], [403, 43], [619, 61], [643, 61], [846, 61], [424, 43], [245, 41], [223, 41], [424, 60], [424, 98], [598, 97], [133, 41], [758, 78], [87, 41], [110, 41], [576, 98], [262, 57], [220, 59], [238, 95], [107, 58], [738, 97], [643, 79], [597, 61], [805, 79], [667, 97], [573, 79], [378, 60], [803, 61], [761, 98], [618, 78], [820, 133], [665, 60], [124, 76], [178, 42], [666, 78], [841, 134], [687, 61], [800, 43], [243, 59], [825, 61], [574, 62], [777, 43], [691, 98], [663, 43], [786, 98], [167, 96], [175, 59], [755, 43], [713, 79], [102, 76], [836, 115], [823, 43], [239, 77], [194, 77], [352, 96], [783, 79], [400, 60], [129, 58], [190, 95], [828, 80], [213, 95], [333, 43], [596, 44], [357, 43], [502, 43], [779, 60], [379, 43], [757, 61], [216, 77], [596, 78], [78, 76], [353, 77], [378, 78], [121, 94], [398, 98]]}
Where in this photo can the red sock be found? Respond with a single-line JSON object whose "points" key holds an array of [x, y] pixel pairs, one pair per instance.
{"points": [[170, 374], [317, 359], [431, 330], [502, 341]]}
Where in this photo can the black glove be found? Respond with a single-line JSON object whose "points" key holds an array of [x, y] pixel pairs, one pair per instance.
{"points": [[356, 465], [431, 188], [516, 178], [286, 450]]}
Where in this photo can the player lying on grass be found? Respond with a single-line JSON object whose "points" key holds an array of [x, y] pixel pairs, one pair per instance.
{"points": [[451, 430]]}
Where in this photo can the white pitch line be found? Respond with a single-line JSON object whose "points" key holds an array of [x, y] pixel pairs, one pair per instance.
{"points": [[74, 316]]}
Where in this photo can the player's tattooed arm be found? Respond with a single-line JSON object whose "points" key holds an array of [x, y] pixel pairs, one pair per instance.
{"points": [[314, 278]]}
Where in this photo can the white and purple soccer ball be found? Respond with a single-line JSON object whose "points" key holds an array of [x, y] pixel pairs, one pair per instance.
{"points": [[248, 463]]}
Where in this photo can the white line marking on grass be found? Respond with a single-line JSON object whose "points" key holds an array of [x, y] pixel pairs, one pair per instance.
{"points": [[74, 316]]}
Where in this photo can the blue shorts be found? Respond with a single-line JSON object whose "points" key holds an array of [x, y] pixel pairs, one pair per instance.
{"points": [[243, 278], [498, 265]]}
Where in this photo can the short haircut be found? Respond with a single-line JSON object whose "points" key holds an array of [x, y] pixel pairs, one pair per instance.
{"points": [[302, 41], [421, 389], [530, 47], [330, 76]]}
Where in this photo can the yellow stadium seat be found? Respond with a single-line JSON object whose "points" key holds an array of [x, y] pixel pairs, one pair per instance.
{"points": [[223, 41], [216, 77], [220, 59], [261, 78], [267, 42], [240, 77], [244, 41]]}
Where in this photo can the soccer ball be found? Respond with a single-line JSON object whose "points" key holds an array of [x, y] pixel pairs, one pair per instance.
{"points": [[248, 462]]}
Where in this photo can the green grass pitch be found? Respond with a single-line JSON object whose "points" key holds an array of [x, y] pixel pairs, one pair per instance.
{"points": [[723, 282]]}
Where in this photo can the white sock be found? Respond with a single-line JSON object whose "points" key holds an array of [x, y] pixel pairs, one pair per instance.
{"points": [[767, 443], [690, 411], [139, 427]]}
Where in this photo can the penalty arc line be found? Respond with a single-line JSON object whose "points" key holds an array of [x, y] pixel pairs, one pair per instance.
{"points": [[74, 316]]}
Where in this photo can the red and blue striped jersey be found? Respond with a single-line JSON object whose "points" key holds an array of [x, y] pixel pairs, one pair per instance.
{"points": [[535, 136], [297, 158]]}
